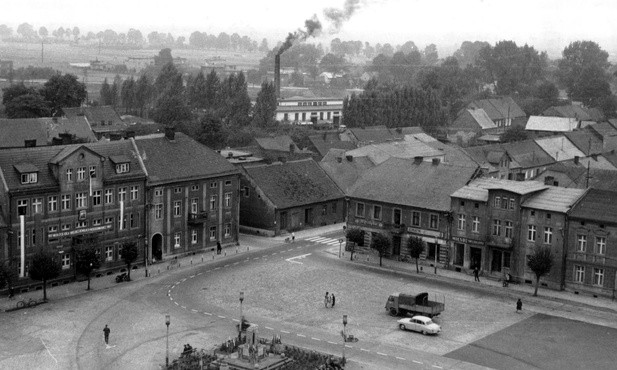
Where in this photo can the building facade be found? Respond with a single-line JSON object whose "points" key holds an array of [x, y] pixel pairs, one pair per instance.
{"points": [[303, 111]]}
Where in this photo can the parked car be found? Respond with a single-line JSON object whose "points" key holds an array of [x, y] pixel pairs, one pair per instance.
{"points": [[421, 324]]}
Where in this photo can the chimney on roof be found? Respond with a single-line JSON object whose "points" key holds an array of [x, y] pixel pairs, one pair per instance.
{"points": [[418, 159], [170, 133], [520, 176], [349, 158], [576, 159], [549, 180], [277, 75], [435, 161], [30, 143]]}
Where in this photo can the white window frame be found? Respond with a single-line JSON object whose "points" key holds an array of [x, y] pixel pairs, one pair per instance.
{"points": [[66, 202], [548, 235], [194, 187], [227, 200], [134, 192], [598, 276], [109, 196], [376, 212], [497, 202], [581, 243], [81, 200], [508, 229], [531, 233], [122, 168], [69, 175], [81, 173], [37, 205], [475, 224], [496, 229], [193, 236], [177, 238], [227, 232], [194, 205], [177, 208], [360, 206], [414, 218], [96, 198], [66, 261], [122, 194], [158, 211], [579, 274], [109, 253], [52, 203], [461, 222], [212, 232], [600, 245], [158, 192], [213, 202], [433, 217]]}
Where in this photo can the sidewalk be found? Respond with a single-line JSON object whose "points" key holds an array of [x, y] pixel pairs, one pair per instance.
{"points": [[515, 290]]}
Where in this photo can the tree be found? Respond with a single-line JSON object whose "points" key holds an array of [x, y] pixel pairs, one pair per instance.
{"points": [[416, 247], [381, 244], [143, 93], [169, 80], [5, 31], [27, 106], [75, 32], [591, 86], [212, 133], [578, 56], [26, 30], [213, 85], [129, 255], [196, 91], [63, 91], [356, 236], [265, 106], [332, 63], [431, 55], [514, 133], [171, 109], [127, 94], [540, 262], [105, 93], [44, 267], [87, 259], [43, 32]]}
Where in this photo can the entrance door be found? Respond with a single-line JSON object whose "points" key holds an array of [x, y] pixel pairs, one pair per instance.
{"points": [[496, 261], [396, 245], [283, 220], [157, 247], [308, 216], [475, 258]]}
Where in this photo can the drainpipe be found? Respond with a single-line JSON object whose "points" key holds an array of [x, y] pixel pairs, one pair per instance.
{"points": [[564, 237]]}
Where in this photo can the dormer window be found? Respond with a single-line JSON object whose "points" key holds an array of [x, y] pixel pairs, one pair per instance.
{"points": [[29, 178], [122, 168], [28, 173], [122, 163]]}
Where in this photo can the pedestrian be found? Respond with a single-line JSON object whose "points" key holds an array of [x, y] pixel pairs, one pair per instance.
{"points": [[293, 237], [11, 293], [333, 299], [327, 299], [106, 331], [476, 274], [218, 247], [519, 305]]}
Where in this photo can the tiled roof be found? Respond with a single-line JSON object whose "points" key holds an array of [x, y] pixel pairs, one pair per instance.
{"points": [[597, 205], [180, 160], [517, 187], [603, 129], [379, 153], [553, 124], [416, 184], [559, 147], [471, 193], [380, 134], [501, 108], [95, 115], [585, 141], [571, 111], [453, 153], [480, 116], [556, 199], [571, 175], [294, 183], [43, 130], [41, 157], [277, 143], [344, 171], [611, 157], [527, 154], [327, 141]]}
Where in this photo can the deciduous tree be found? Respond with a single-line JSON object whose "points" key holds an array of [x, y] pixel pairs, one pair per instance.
{"points": [[540, 262], [355, 236], [416, 246], [381, 244], [87, 258], [27, 106], [63, 91], [43, 267], [265, 106], [129, 254]]}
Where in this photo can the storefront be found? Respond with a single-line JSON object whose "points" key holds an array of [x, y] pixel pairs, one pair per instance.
{"points": [[468, 252]]}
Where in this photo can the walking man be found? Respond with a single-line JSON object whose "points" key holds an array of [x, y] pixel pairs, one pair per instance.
{"points": [[293, 237], [218, 247], [327, 299], [333, 299], [519, 305], [476, 274], [106, 331]]}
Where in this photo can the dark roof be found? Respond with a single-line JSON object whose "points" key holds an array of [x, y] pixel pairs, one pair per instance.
{"points": [[381, 134], [344, 170], [42, 157], [411, 183], [95, 115], [278, 143], [294, 183], [179, 160], [16, 131], [453, 154], [597, 205], [611, 157], [499, 108], [585, 141], [603, 129], [527, 153], [570, 111], [572, 175], [330, 140]]}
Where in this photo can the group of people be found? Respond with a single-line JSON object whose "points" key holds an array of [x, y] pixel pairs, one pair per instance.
{"points": [[330, 300], [187, 349]]}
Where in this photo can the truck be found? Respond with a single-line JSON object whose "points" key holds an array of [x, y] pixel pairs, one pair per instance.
{"points": [[405, 304]]}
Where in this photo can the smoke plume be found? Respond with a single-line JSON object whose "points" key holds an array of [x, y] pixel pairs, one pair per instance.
{"points": [[339, 16], [313, 28]]}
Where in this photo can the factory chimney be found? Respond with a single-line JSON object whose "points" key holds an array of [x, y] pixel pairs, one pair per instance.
{"points": [[277, 75]]}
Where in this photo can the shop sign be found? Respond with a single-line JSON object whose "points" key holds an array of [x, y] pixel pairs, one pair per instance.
{"points": [[360, 221], [467, 240], [85, 230], [435, 234]]}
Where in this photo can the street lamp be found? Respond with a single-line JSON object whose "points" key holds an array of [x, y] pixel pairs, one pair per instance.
{"points": [[167, 355], [241, 316], [344, 336], [340, 242]]}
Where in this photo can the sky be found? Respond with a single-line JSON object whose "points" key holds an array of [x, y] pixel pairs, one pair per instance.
{"points": [[545, 24]]}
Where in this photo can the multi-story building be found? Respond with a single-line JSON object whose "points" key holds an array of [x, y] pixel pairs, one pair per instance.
{"points": [[191, 195], [52, 197], [402, 198], [302, 111], [591, 260]]}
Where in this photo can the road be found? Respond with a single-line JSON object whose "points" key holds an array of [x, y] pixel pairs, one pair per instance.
{"points": [[283, 287]]}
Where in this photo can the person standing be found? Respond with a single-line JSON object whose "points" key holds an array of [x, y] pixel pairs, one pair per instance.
{"points": [[218, 247], [106, 332], [333, 299], [327, 299], [476, 274], [11, 293], [293, 237], [519, 305]]}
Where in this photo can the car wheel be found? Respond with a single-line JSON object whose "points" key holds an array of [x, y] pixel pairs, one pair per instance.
{"points": [[424, 332], [393, 311], [402, 326]]}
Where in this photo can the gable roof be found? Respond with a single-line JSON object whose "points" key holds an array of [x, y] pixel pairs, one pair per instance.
{"points": [[559, 148], [553, 124], [597, 205], [344, 171], [96, 115], [280, 143], [554, 199], [585, 141], [294, 183], [571, 111], [603, 129], [411, 183], [379, 153], [499, 108], [527, 154], [43, 130], [326, 141], [381, 134], [181, 159], [571, 175]]}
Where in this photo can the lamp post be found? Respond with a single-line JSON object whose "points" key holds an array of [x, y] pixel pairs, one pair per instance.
{"points": [[340, 242], [241, 316], [167, 352], [344, 335]]}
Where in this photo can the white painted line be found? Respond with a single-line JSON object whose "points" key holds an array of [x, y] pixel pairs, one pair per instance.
{"points": [[283, 331], [400, 358], [273, 254], [45, 345], [235, 263], [207, 313], [218, 268], [256, 258], [177, 282], [365, 350], [331, 342], [379, 353], [236, 320], [183, 280], [301, 335], [200, 273], [176, 303], [317, 339], [269, 328], [297, 257], [417, 362], [169, 292], [193, 310], [221, 317], [192, 276], [184, 307], [226, 266], [289, 250], [347, 346], [439, 367], [173, 286]]}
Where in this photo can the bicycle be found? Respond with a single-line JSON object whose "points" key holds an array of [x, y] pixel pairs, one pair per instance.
{"points": [[30, 303]]}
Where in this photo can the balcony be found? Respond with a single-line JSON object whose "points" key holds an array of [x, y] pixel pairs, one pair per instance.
{"points": [[196, 219]]}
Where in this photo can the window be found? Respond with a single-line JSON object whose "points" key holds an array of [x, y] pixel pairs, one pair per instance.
{"points": [[213, 185], [52, 229], [69, 174], [177, 208], [496, 227], [81, 173], [109, 253], [66, 261], [81, 200], [509, 229], [109, 220], [247, 191], [66, 202], [22, 207], [96, 198], [81, 224], [476, 205], [228, 183], [359, 209], [194, 187], [97, 222], [133, 220], [92, 171], [212, 232], [415, 218], [579, 274], [52, 203], [122, 223], [396, 216], [134, 192], [158, 211], [548, 216], [193, 236], [548, 235], [533, 213], [433, 221], [227, 230], [29, 178], [121, 194], [462, 203], [109, 196], [497, 202], [158, 192], [66, 227], [511, 203], [178, 190], [504, 203], [37, 205], [475, 224], [122, 168], [227, 200], [600, 247], [461, 222], [33, 238], [598, 277], [213, 202], [194, 206], [531, 233], [581, 245], [377, 212]]}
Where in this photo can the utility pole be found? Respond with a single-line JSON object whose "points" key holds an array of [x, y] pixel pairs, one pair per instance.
{"points": [[42, 53]]}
